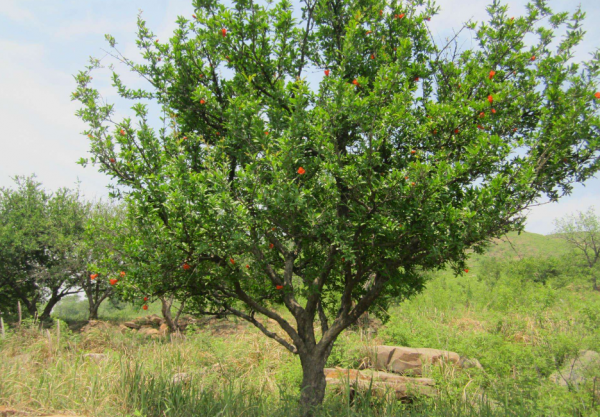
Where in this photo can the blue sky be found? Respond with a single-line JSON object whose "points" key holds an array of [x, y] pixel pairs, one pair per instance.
{"points": [[44, 43]]}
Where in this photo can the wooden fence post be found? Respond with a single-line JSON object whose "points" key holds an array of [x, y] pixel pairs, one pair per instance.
{"points": [[19, 312], [2, 327]]}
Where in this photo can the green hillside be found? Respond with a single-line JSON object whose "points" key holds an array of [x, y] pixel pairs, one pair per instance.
{"points": [[515, 246]]}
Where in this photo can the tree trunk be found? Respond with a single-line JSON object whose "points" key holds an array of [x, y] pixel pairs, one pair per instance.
{"points": [[313, 382], [93, 311], [166, 304], [31, 306], [48, 309]]}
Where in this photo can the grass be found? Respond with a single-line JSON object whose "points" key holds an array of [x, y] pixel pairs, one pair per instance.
{"points": [[519, 323], [515, 246]]}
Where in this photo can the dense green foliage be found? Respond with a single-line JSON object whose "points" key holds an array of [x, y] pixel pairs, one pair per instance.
{"points": [[333, 199], [41, 234], [581, 231]]}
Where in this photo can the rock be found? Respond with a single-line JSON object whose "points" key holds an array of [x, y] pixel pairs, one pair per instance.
{"points": [[468, 363], [405, 360], [155, 320], [381, 383], [181, 378], [131, 325], [149, 331], [578, 371], [96, 357]]}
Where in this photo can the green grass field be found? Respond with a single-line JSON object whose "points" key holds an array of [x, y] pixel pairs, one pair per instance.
{"points": [[519, 320]]}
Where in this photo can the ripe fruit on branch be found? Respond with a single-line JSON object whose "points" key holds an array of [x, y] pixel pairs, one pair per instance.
{"points": [[327, 73], [467, 270], [355, 81], [122, 273], [492, 73], [301, 171], [597, 95], [279, 287], [113, 281], [413, 152], [145, 298], [93, 276], [224, 32], [482, 114], [145, 307], [533, 58], [112, 160], [247, 266], [186, 266], [490, 99], [202, 101], [232, 261], [271, 246], [122, 132], [372, 56], [456, 131], [493, 111]]}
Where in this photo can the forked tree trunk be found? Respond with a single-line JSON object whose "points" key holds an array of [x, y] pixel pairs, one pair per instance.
{"points": [[166, 304], [313, 382]]}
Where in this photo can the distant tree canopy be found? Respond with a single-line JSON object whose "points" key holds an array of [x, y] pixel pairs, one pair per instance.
{"points": [[40, 232], [262, 190], [582, 232]]}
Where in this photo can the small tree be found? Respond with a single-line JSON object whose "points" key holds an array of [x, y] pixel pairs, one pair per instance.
{"points": [[331, 200], [39, 236], [582, 232]]}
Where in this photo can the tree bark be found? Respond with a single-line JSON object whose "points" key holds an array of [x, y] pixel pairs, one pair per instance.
{"points": [[48, 309], [93, 311], [166, 304], [313, 381]]}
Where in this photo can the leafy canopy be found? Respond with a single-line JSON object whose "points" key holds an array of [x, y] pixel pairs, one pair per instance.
{"points": [[330, 197]]}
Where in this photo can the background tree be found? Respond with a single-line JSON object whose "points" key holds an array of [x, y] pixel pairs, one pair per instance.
{"points": [[331, 199], [582, 232], [39, 235], [104, 260]]}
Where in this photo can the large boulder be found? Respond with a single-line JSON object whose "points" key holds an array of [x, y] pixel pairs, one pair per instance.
{"points": [[381, 384], [131, 325], [405, 360], [578, 371]]}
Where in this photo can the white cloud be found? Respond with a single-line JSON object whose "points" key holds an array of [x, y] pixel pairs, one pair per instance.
{"points": [[541, 218], [13, 10]]}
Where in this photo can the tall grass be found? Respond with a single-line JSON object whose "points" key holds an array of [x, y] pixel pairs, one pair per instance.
{"points": [[520, 330]]}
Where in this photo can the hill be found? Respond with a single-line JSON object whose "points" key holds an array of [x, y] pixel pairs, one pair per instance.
{"points": [[517, 246]]}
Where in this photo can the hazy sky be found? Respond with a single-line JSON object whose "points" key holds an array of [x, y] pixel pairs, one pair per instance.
{"points": [[44, 43]]}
